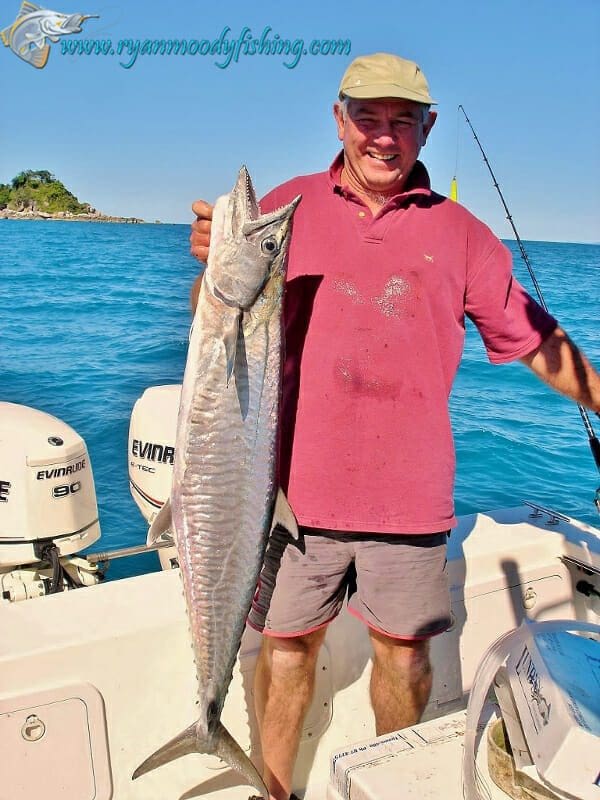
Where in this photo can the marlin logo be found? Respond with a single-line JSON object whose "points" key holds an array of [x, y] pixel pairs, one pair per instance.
{"points": [[27, 36]]}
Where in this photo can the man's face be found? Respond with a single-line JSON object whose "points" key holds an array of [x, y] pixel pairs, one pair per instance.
{"points": [[382, 140]]}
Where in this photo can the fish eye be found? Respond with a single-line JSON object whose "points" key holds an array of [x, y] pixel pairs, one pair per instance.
{"points": [[269, 246]]}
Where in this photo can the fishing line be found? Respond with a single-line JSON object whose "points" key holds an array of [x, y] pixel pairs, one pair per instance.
{"points": [[454, 182], [593, 439], [457, 140]]}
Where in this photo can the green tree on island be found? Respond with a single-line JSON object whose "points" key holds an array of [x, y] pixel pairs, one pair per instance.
{"points": [[39, 190], [33, 178], [4, 195]]}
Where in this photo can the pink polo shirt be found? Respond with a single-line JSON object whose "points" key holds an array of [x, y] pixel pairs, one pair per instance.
{"points": [[374, 314]]}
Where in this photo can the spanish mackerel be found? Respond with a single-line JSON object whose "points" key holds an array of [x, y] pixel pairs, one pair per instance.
{"points": [[224, 496]]}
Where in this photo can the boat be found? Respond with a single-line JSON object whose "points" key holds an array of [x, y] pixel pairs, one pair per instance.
{"points": [[95, 675]]}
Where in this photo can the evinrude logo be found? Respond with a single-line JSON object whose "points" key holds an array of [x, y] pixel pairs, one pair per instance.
{"points": [[27, 36], [526, 669], [153, 452], [61, 472], [4, 491]]}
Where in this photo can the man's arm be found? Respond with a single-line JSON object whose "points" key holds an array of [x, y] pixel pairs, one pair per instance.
{"points": [[559, 362]]}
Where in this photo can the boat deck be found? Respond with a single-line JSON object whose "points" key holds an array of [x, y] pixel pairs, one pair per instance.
{"points": [[109, 671]]}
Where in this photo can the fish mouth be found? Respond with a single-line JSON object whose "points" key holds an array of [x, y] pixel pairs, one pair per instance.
{"points": [[73, 23], [246, 188], [243, 208]]}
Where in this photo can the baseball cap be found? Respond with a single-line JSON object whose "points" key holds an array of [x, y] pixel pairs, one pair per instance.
{"points": [[385, 75]]}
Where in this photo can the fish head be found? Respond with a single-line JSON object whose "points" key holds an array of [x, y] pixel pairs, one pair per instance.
{"points": [[250, 247], [53, 24]]}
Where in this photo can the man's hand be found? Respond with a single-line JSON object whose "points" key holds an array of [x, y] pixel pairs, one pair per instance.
{"points": [[200, 242], [200, 235]]}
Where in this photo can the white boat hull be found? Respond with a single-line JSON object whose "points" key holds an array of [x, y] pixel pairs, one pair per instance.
{"points": [[108, 671]]}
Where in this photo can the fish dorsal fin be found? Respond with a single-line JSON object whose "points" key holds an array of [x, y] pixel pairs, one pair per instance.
{"points": [[284, 516], [27, 8], [161, 524]]}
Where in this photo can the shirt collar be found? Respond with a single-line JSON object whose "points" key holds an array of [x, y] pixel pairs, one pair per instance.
{"points": [[418, 182]]}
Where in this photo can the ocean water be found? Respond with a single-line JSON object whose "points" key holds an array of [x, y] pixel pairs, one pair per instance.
{"points": [[93, 313]]}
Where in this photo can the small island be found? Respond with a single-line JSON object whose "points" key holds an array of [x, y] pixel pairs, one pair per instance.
{"points": [[38, 194]]}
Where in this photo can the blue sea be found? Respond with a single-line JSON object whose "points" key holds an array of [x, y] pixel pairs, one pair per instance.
{"points": [[93, 313]]}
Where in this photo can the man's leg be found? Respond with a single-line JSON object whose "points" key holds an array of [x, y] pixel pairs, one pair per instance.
{"points": [[400, 681], [402, 587], [283, 689]]}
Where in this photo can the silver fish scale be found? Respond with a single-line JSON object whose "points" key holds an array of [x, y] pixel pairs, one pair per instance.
{"points": [[221, 511]]}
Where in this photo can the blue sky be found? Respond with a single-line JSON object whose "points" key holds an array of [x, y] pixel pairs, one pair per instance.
{"points": [[148, 140]]}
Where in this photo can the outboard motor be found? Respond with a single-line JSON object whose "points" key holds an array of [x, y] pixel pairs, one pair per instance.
{"points": [[48, 509], [151, 452]]}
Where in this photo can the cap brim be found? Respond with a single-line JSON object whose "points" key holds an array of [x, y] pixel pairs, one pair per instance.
{"points": [[381, 90]]}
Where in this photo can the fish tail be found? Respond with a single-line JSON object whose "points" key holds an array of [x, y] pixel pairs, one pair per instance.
{"points": [[221, 743], [179, 746], [231, 753]]}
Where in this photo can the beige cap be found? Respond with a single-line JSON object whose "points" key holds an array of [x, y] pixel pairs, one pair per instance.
{"points": [[385, 75]]}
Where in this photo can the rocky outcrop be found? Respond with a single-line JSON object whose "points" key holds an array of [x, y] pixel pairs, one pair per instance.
{"points": [[38, 194], [90, 216]]}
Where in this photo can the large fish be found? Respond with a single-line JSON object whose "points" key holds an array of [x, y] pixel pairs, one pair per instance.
{"points": [[27, 36], [224, 497]]}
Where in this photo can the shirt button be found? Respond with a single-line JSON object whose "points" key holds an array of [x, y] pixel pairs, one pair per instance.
{"points": [[361, 214]]}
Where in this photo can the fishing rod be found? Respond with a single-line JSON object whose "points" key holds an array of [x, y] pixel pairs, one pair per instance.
{"points": [[592, 438]]}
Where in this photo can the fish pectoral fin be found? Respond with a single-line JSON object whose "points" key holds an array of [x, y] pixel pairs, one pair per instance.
{"points": [[230, 340], [161, 524], [284, 516], [220, 743]]}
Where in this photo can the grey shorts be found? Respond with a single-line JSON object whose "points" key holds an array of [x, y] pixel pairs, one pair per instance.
{"points": [[396, 584]]}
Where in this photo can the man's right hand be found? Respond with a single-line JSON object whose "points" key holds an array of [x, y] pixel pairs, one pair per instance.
{"points": [[200, 235], [200, 243]]}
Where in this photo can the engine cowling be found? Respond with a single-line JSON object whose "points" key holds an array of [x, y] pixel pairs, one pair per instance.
{"points": [[47, 493], [151, 451]]}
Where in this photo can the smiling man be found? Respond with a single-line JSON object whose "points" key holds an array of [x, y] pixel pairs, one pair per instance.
{"points": [[382, 135], [382, 272], [382, 139]]}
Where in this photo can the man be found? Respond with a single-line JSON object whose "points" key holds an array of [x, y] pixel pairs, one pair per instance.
{"points": [[381, 273]]}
